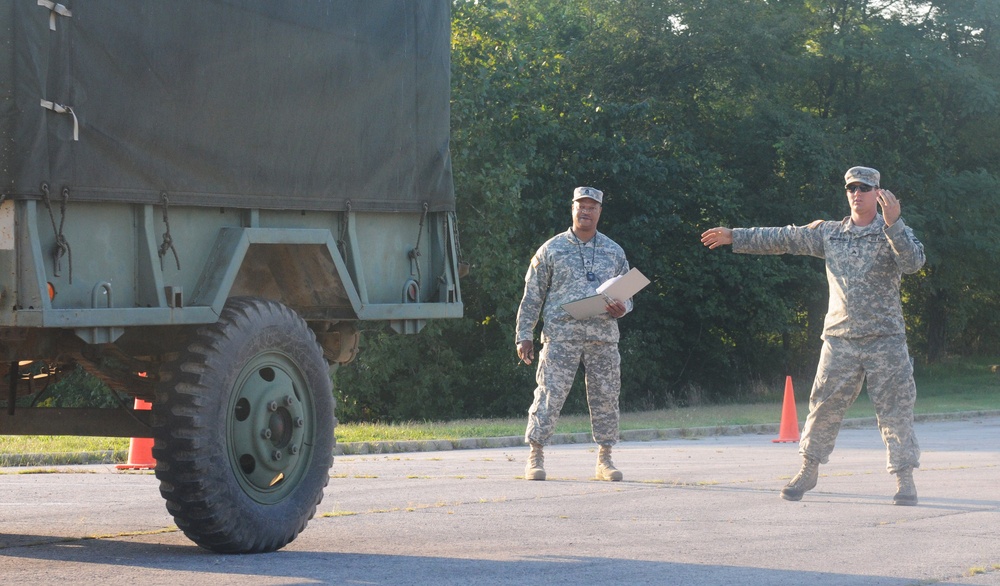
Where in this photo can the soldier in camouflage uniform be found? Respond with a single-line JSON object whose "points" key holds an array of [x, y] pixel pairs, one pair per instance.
{"points": [[568, 267], [864, 337]]}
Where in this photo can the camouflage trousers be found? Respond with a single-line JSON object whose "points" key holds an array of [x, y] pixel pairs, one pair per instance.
{"points": [[844, 365], [557, 365]]}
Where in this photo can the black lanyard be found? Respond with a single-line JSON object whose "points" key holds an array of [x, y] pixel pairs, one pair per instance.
{"points": [[593, 257]]}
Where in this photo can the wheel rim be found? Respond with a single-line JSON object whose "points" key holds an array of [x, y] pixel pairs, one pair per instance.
{"points": [[270, 426]]}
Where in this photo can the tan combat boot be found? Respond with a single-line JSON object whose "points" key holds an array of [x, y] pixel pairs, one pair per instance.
{"points": [[804, 481], [535, 468], [605, 467], [906, 491]]}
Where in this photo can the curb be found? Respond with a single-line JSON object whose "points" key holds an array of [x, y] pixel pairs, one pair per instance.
{"points": [[63, 458], [397, 447]]}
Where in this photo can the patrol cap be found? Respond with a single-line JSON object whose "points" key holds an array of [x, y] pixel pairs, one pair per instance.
{"points": [[865, 175], [588, 192]]}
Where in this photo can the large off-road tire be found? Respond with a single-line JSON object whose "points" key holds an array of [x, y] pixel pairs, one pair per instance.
{"points": [[243, 429]]}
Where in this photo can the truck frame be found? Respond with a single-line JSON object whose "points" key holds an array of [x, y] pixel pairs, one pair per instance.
{"points": [[200, 201]]}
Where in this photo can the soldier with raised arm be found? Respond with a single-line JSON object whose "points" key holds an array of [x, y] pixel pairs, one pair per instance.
{"points": [[864, 336]]}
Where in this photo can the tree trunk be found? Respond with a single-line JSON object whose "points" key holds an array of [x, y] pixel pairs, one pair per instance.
{"points": [[937, 326]]}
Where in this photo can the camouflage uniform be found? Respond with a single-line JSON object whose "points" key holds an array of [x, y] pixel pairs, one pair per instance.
{"points": [[864, 335], [558, 275]]}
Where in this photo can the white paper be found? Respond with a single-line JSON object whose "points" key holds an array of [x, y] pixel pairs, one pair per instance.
{"points": [[607, 284], [616, 289]]}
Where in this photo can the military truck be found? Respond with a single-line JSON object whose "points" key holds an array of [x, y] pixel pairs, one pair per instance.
{"points": [[200, 201]]}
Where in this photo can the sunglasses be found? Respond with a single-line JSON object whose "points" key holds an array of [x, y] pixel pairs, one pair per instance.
{"points": [[861, 188]]}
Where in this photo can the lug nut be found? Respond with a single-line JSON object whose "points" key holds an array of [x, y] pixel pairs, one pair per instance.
{"points": [[289, 400], [266, 433], [294, 450], [299, 422], [272, 406], [276, 455]]}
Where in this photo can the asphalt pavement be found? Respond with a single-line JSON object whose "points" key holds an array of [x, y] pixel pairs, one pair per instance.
{"points": [[699, 509]]}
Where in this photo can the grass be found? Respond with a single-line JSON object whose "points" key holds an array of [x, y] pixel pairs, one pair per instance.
{"points": [[953, 387], [35, 450]]}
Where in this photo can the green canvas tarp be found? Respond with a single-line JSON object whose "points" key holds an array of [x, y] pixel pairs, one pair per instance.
{"points": [[304, 104]]}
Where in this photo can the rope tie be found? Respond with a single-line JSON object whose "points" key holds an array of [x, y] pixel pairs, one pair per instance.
{"points": [[62, 247], [414, 254], [342, 242], [168, 241]]}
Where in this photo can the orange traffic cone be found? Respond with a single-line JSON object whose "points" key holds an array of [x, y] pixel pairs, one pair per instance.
{"points": [[140, 449], [789, 430]]}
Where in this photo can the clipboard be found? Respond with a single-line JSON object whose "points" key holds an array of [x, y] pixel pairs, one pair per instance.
{"points": [[620, 288]]}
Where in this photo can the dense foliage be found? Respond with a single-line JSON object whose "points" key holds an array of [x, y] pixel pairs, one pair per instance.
{"points": [[691, 114]]}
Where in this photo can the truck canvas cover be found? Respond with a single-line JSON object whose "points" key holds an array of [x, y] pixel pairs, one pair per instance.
{"points": [[305, 104]]}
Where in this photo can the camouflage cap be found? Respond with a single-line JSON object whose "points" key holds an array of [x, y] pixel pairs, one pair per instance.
{"points": [[865, 175], [585, 192]]}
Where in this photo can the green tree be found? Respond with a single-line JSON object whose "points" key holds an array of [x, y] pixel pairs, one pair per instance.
{"points": [[690, 114]]}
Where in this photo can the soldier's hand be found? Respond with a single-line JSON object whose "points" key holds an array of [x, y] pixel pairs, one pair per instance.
{"points": [[716, 237], [526, 351], [616, 309], [890, 206]]}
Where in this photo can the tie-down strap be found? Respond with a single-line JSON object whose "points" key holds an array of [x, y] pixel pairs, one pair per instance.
{"points": [[60, 109], [55, 9]]}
